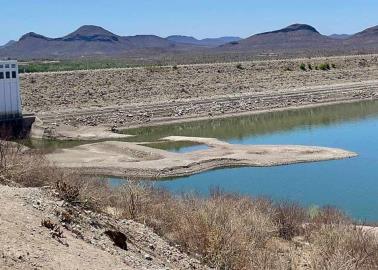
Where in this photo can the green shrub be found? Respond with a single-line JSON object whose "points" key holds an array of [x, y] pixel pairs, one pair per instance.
{"points": [[324, 66], [302, 67]]}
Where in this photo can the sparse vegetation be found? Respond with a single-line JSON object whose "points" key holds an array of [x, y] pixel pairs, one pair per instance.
{"points": [[67, 65], [303, 67], [324, 66], [228, 231]]}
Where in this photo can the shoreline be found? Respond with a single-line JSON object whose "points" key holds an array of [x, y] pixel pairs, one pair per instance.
{"points": [[238, 114], [48, 127], [129, 98]]}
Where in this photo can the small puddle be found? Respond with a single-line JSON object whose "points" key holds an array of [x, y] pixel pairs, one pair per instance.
{"points": [[178, 147]]}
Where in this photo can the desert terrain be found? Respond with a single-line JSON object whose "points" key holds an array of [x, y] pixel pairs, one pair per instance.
{"points": [[53, 218], [183, 135], [129, 160], [123, 98], [83, 242], [92, 104]]}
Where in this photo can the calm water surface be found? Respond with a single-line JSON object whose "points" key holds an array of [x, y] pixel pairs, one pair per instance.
{"points": [[350, 184]]}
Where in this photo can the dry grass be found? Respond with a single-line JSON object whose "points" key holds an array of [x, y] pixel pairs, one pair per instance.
{"points": [[343, 248], [23, 166], [226, 231]]}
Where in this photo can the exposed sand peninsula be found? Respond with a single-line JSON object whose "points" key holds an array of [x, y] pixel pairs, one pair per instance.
{"points": [[126, 159]]}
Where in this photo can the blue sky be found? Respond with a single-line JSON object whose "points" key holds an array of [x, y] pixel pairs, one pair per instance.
{"points": [[199, 18]]}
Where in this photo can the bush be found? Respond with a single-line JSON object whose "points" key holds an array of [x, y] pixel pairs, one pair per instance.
{"points": [[309, 66], [229, 231], [343, 247], [290, 218], [324, 66], [329, 215], [302, 67], [23, 166]]}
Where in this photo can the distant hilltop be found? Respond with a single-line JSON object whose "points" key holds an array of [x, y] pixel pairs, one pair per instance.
{"points": [[91, 40]]}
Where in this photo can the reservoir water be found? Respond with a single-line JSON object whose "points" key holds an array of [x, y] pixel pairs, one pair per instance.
{"points": [[350, 184]]}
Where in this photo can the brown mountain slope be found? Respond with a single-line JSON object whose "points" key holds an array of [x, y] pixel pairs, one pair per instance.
{"points": [[296, 36], [364, 39], [88, 40]]}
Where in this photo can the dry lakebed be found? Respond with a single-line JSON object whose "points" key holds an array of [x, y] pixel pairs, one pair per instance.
{"points": [[125, 159]]}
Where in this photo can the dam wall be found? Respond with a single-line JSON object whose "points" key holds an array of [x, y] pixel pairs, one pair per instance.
{"points": [[16, 128]]}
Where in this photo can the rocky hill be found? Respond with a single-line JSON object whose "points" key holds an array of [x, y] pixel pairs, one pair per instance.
{"points": [[296, 36], [364, 39], [8, 44]]}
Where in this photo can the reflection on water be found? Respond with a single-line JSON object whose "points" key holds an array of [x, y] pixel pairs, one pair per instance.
{"points": [[244, 126], [235, 127], [350, 184]]}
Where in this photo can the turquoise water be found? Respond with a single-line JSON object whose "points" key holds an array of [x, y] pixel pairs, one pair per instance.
{"points": [[350, 184]]}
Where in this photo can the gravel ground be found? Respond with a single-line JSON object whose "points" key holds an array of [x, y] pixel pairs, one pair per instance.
{"points": [[89, 95], [25, 244]]}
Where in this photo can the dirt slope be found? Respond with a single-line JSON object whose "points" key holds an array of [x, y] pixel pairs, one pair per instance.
{"points": [[25, 244]]}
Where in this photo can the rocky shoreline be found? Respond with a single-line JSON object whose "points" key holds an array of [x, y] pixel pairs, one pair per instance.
{"points": [[125, 98], [130, 116]]}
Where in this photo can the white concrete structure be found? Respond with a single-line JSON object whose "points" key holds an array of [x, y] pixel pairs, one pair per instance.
{"points": [[10, 99]]}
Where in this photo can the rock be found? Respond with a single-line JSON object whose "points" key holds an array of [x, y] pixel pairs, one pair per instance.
{"points": [[148, 257]]}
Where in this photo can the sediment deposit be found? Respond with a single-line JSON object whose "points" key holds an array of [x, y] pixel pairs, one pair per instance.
{"points": [[125, 159]]}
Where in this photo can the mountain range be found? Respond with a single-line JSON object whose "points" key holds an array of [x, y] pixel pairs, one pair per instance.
{"points": [[91, 40]]}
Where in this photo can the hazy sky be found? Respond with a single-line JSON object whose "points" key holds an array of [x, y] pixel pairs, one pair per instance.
{"points": [[199, 18]]}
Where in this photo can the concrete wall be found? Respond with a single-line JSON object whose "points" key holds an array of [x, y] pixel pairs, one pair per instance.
{"points": [[18, 128], [10, 101]]}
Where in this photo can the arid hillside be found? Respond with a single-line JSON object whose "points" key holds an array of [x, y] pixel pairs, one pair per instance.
{"points": [[58, 219], [44, 92]]}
